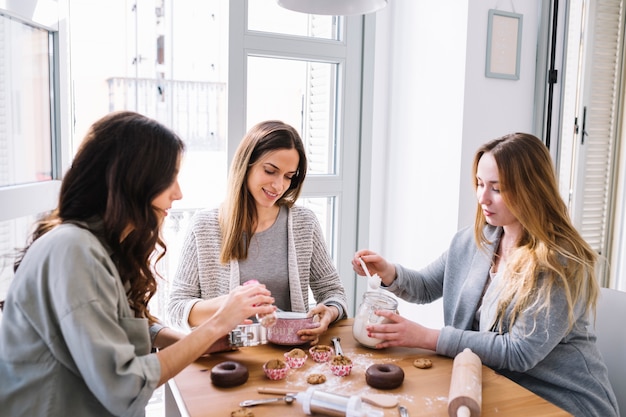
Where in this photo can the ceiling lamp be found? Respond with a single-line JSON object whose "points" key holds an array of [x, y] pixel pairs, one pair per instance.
{"points": [[333, 7]]}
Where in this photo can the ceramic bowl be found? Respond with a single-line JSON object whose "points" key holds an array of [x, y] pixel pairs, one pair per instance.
{"points": [[273, 372], [284, 332], [321, 355]]}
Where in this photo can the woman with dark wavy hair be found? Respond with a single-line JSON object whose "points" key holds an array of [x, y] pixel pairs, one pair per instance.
{"points": [[518, 287], [77, 334]]}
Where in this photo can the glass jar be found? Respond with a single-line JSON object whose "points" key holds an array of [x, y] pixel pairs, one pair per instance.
{"points": [[372, 301]]}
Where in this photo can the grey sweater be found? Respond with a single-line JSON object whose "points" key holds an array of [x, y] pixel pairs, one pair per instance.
{"points": [[69, 343], [200, 275], [563, 366]]}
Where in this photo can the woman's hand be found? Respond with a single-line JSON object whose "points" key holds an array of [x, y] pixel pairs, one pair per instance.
{"points": [[376, 264], [243, 302], [402, 332], [326, 315]]}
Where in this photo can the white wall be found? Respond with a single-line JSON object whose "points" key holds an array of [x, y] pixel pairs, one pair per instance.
{"points": [[432, 111]]}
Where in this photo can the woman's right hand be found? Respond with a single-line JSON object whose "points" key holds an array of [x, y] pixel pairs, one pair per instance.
{"points": [[376, 264], [243, 302]]}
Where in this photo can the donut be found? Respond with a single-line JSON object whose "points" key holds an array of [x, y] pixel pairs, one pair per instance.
{"points": [[384, 376], [229, 374]]}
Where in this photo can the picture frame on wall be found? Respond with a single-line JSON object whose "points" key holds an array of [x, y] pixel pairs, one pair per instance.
{"points": [[504, 45]]}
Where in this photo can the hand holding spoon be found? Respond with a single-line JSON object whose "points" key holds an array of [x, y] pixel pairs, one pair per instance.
{"points": [[372, 281]]}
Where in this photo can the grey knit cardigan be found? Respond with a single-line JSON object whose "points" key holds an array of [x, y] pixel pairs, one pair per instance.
{"points": [[200, 275]]}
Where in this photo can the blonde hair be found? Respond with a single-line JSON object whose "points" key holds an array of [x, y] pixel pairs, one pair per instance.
{"points": [[238, 211], [550, 253]]}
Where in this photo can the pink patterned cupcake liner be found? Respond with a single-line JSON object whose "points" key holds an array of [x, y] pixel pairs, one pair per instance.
{"points": [[321, 355], [341, 365], [277, 373], [341, 370], [294, 362]]}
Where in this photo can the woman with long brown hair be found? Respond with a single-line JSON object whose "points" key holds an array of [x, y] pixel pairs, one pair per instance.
{"points": [[518, 288], [259, 233], [76, 334]]}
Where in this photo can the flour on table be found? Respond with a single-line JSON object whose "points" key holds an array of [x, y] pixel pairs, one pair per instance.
{"points": [[353, 384]]}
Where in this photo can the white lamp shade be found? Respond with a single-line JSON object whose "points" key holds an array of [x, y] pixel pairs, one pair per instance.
{"points": [[333, 7]]}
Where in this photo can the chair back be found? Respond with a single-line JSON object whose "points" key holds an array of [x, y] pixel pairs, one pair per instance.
{"points": [[611, 333]]}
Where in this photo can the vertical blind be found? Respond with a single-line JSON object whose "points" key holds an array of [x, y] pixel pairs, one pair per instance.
{"points": [[602, 123]]}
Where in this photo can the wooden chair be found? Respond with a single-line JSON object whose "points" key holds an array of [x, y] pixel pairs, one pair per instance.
{"points": [[611, 333]]}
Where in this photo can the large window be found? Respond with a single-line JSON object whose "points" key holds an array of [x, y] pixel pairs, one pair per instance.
{"points": [[31, 156], [25, 147], [297, 70], [211, 70]]}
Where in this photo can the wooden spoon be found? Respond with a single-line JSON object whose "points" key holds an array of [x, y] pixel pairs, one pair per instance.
{"points": [[378, 400]]}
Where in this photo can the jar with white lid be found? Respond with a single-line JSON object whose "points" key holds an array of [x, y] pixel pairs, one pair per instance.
{"points": [[372, 301]]}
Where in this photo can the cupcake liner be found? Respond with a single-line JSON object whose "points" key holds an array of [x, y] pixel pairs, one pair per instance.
{"points": [[341, 370], [276, 374], [294, 362], [321, 356]]}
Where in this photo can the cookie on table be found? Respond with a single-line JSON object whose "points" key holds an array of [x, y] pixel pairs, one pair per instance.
{"points": [[423, 363]]}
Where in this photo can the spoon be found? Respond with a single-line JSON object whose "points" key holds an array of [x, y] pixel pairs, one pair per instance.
{"points": [[372, 281], [249, 403], [338, 349], [378, 400]]}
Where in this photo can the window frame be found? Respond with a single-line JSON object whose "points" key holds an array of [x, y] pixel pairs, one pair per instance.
{"points": [[33, 198], [344, 184]]}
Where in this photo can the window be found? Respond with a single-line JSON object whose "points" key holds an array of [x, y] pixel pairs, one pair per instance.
{"points": [[31, 157], [299, 74], [588, 164], [25, 147], [211, 70]]}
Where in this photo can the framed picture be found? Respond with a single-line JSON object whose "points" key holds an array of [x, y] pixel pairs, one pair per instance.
{"points": [[504, 45]]}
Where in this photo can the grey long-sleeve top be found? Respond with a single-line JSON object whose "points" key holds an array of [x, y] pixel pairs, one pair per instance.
{"points": [[563, 366], [69, 343], [201, 275]]}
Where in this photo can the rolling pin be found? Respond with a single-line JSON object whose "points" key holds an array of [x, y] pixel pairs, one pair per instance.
{"points": [[466, 385]]}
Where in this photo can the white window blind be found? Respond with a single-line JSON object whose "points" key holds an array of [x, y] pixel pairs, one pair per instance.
{"points": [[599, 117]]}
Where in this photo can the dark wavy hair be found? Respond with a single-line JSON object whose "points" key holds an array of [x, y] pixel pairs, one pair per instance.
{"points": [[124, 162]]}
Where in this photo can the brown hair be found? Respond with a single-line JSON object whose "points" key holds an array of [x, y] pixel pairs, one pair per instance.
{"points": [[238, 212], [124, 162], [550, 252]]}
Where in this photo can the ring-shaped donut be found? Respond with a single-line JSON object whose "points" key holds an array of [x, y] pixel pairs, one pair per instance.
{"points": [[384, 376], [229, 374]]}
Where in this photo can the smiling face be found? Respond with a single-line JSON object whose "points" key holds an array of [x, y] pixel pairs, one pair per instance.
{"points": [[488, 193], [270, 176]]}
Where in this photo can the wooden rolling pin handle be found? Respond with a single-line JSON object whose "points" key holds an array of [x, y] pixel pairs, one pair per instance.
{"points": [[465, 397], [277, 391]]}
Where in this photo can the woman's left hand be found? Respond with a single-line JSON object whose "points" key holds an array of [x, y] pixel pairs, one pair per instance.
{"points": [[326, 315]]}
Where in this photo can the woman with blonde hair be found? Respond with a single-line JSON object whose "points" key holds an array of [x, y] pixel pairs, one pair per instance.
{"points": [[518, 288], [259, 233]]}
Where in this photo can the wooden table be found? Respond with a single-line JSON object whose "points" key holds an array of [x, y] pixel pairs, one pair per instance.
{"points": [[424, 391]]}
